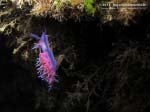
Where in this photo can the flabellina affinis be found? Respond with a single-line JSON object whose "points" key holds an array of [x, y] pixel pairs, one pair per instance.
{"points": [[46, 63]]}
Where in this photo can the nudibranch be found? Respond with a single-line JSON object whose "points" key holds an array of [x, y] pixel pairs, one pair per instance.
{"points": [[46, 63]]}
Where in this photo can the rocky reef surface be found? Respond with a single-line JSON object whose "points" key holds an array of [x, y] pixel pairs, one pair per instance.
{"points": [[107, 56]]}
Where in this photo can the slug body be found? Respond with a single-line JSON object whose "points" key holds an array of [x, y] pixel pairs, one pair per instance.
{"points": [[46, 63]]}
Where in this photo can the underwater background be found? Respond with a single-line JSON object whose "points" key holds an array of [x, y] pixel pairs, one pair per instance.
{"points": [[106, 63]]}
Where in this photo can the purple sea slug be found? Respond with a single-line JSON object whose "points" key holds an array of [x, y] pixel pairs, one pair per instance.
{"points": [[46, 63]]}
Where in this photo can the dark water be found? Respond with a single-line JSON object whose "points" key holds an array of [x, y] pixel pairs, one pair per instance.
{"points": [[18, 87]]}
